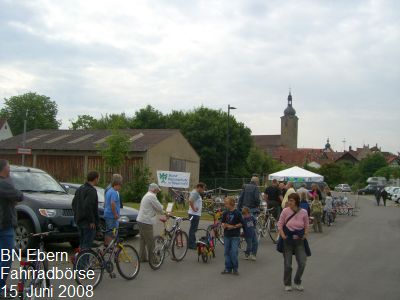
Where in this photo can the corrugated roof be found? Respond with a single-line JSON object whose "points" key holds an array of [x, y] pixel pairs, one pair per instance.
{"points": [[85, 140]]}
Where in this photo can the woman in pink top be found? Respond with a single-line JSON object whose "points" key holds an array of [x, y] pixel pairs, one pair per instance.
{"points": [[293, 228]]}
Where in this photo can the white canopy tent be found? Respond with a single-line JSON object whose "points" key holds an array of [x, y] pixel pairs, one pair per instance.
{"points": [[296, 174]]}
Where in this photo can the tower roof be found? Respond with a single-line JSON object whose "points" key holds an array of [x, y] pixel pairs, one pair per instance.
{"points": [[290, 111]]}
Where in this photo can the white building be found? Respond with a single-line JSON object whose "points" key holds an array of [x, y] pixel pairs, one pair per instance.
{"points": [[5, 131]]}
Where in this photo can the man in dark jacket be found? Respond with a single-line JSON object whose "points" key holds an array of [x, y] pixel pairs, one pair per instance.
{"points": [[86, 213], [9, 196], [250, 196]]}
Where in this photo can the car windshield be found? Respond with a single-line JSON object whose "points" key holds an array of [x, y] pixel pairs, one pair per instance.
{"points": [[36, 182]]}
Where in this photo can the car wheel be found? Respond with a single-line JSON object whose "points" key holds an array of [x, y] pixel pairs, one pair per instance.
{"points": [[23, 240]]}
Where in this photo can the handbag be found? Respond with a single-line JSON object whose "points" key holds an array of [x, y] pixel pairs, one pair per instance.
{"points": [[279, 244]]}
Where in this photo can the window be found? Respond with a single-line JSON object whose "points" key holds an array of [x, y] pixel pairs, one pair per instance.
{"points": [[177, 165]]}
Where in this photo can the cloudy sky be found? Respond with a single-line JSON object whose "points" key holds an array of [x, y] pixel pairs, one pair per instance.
{"points": [[340, 58]]}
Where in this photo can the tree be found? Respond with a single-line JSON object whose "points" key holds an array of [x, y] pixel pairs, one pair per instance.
{"points": [[388, 172], [369, 165], [148, 118], [84, 122], [115, 149], [259, 162], [332, 174], [205, 129], [113, 121], [42, 112]]}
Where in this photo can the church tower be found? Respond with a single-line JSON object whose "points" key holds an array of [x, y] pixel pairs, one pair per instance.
{"points": [[289, 129]]}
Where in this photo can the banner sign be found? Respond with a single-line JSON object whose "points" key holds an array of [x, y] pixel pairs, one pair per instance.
{"points": [[173, 179], [26, 151]]}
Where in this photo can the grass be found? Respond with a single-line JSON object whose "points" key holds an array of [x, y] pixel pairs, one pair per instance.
{"points": [[177, 211]]}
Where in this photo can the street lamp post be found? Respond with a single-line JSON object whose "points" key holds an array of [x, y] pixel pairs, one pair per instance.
{"points": [[227, 146], [24, 137]]}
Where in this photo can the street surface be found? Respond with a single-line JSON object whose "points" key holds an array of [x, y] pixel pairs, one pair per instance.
{"points": [[357, 258]]}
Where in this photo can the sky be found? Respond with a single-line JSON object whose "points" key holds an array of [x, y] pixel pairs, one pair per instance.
{"points": [[341, 60]]}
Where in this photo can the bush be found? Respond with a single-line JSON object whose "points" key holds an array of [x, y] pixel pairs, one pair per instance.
{"points": [[135, 190]]}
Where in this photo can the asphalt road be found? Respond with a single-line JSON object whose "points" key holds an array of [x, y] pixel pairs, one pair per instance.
{"points": [[357, 258]]}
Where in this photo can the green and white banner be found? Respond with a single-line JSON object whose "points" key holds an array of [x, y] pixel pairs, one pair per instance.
{"points": [[173, 179]]}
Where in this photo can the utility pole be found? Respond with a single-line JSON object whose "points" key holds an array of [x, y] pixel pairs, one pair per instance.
{"points": [[24, 137], [227, 147]]}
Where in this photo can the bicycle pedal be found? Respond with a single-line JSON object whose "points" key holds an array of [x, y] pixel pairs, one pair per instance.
{"points": [[113, 275]]}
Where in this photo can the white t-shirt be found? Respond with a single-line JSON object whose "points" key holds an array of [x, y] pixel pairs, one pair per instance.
{"points": [[197, 203]]}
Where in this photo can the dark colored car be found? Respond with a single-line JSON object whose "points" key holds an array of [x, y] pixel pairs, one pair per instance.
{"points": [[45, 202], [127, 222], [369, 189]]}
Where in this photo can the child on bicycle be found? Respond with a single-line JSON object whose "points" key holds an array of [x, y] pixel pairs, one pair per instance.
{"points": [[249, 228], [316, 213], [231, 222]]}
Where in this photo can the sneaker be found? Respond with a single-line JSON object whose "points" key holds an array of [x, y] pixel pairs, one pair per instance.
{"points": [[224, 272], [288, 288], [253, 257], [246, 257], [299, 287], [235, 273]]}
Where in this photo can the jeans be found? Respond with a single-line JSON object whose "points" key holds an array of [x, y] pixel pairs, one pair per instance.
{"points": [[146, 241], [231, 249], [7, 241], [297, 248], [252, 245], [277, 208], [111, 224], [194, 224], [86, 236], [317, 224]]}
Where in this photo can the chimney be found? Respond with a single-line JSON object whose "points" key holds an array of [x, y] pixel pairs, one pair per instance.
{"points": [[350, 149]]}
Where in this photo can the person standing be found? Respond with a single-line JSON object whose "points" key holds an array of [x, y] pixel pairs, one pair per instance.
{"points": [[231, 222], [86, 210], [250, 196], [378, 196], [195, 208], [316, 213], [282, 187], [112, 206], [384, 195], [303, 189], [293, 229], [249, 228], [114, 176], [9, 196], [273, 197], [149, 207], [289, 190]]}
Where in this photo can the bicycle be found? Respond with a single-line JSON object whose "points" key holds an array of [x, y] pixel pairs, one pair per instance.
{"points": [[32, 283], [266, 223], [216, 227], [175, 239], [206, 246], [124, 256]]}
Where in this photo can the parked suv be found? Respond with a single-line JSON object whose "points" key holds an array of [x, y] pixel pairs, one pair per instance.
{"points": [[45, 202], [369, 189]]}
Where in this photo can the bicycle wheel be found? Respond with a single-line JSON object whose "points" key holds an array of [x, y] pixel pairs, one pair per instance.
{"points": [[88, 260], [157, 253], [179, 245], [127, 261], [219, 233], [260, 226], [272, 231]]}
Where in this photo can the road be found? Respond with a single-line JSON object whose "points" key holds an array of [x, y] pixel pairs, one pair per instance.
{"points": [[357, 258]]}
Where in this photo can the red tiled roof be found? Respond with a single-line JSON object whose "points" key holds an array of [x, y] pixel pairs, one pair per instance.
{"points": [[303, 156]]}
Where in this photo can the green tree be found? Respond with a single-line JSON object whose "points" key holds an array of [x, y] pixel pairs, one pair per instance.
{"points": [[84, 122], [115, 149], [113, 121], [135, 190], [369, 165], [332, 174], [259, 162], [388, 172], [148, 118], [42, 112], [205, 129]]}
